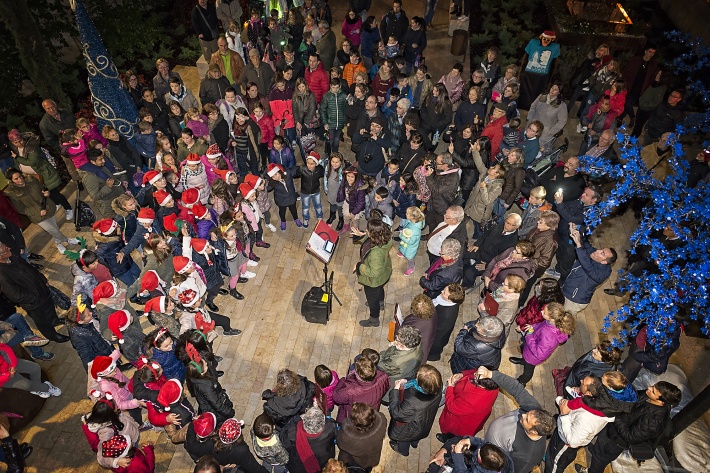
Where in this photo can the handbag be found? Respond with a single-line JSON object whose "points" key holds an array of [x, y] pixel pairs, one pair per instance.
{"points": [[490, 304], [59, 299]]}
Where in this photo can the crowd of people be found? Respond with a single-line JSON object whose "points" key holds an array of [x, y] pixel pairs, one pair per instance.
{"points": [[180, 212]]}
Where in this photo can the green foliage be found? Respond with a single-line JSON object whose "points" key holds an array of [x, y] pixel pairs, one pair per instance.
{"points": [[508, 25]]}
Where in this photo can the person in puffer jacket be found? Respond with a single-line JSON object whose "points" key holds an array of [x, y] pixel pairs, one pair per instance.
{"points": [[88, 272], [543, 338], [479, 343], [311, 175], [291, 396]]}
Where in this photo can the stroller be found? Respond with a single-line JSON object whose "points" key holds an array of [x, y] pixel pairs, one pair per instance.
{"points": [[546, 160]]}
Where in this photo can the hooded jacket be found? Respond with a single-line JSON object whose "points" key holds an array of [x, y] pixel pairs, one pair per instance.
{"points": [[585, 277], [413, 416], [582, 424], [362, 449], [352, 389], [282, 409], [318, 81], [444, 188], [467, 406], [542, 342], [211, 396]]}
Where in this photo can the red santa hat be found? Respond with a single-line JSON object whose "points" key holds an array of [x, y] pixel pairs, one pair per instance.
{"points": [[172, 223], [157, 304], [116, 447], [151, 280], [181, 264], [200, 211], [224, 174], [162, 197], [273, 168], [550, 34], [102, 366], [118, 322], [105, 226], [246, 190], [190, 197], [170, 393], [213, 151], [193, 158], [230, 431], [104, 290], [314, 156], [188, 297], [204, 424], [146, 215], [253, 180], [151, 177], [200, 245]]}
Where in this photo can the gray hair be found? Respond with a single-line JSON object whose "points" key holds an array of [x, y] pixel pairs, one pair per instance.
{"points": [[518, 219], [313, 421], [488, 326], [404, 102], [451, 248], [457, 212], [446, 158], [409, 336], [324, 24]]}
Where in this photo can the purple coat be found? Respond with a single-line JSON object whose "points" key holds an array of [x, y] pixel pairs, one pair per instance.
{"points": [[541, 343], [355, 199], [204, 226], [350, 390]]}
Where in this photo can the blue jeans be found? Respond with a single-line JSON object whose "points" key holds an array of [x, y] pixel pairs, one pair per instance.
{"points": [[23, 331], [429, 9], [333, 143], [292, 141], [499, 210], [130, 276], [306, 206]]}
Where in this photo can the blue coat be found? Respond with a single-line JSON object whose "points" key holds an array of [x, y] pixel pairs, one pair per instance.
{"points": [[404, 201], [106, 251], [172, 367], [585, 277], [212, 273], [284, 190], [88, 343], [368, 40]]}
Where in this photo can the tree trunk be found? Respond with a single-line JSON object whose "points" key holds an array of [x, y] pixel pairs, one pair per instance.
{"points": [[34, 54]]}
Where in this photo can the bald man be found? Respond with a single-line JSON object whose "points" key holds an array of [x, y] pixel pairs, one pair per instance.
{"points": [[53, 122]]}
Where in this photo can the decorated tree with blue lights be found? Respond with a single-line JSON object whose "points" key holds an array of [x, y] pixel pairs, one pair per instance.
{"points": [[678, 289], [112, 103]]}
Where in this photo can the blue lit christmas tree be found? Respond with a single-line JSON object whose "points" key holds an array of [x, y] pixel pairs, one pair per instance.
{"points": [[680, 286], [112, 104]]}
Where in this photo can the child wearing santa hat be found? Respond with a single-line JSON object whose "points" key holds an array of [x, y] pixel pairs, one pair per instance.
{"points": [[159, 311], [194, 176], [203, 254], [192, 316], [147, 225], [154, 181], [129, 336], [128, 458], [311, 175], [166, 206], [198, 442], [83, 330], [171, 410], [106, 379], [109, 244], [205, 220], [222, 197], [285, 195], [253, 215], [262, 198], [107, 298], [215, 163]]}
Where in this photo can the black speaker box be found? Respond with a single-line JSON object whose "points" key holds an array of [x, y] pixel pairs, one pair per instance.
{"points": [[314, 307]]}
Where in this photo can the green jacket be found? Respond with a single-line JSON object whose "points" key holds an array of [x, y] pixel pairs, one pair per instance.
{"points": [[375, 268], [27, 200], [332, 110], [35, 159], [101, 194]]}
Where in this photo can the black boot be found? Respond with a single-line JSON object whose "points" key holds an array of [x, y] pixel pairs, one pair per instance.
{"points": [[236, 294], [13, 455], [341, 222], [331, 217]]}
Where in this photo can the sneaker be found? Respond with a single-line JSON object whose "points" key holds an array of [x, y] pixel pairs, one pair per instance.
{"points": [[70, 215], [57, 207], [579, 128], [146, 426], [34, 341], [305, 224], [61, 248], [248, 274], [399, 253], [558, 400], [409, 271], [298, 197], [253, 264], [53, 390], [462, 18], [283, 226], [271, 227], [73, 241], [572, 392], [45, 356], [579, 468], [298, 223], [584, 129], [262, 244], [43, 395], [552, 273]]}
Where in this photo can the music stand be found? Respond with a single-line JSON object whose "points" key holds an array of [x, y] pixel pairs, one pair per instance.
{"points": [[322, 244]]}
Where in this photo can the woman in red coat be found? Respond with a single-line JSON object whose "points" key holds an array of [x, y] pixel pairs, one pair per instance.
{"points": [[469, 401], [546, 290]]}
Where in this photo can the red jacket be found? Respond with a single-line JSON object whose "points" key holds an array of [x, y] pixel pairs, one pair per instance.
{"points": [[6, 364], [494, 131], [266, 124], [617, 102], [530, 314], [467, 407], [318, 81]]}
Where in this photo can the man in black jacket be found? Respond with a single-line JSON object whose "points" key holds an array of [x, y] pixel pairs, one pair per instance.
{"points": [[639, 431], [204, 21], [394, 23], [26, 287], [489, 245], [664, 118]]}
